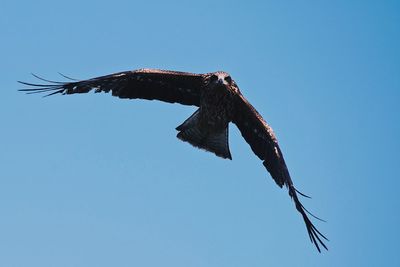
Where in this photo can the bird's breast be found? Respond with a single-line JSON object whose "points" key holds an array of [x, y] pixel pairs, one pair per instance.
{"points": [[216, 109]]}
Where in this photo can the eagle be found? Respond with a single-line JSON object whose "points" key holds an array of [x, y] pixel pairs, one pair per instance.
{"points": [[219, 102]]}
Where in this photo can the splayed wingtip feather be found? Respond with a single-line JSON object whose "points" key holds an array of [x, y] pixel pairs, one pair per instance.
{"points": [[43, 79]]}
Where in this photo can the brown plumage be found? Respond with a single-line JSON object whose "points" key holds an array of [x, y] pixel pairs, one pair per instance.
{"points": [[219, 102]]}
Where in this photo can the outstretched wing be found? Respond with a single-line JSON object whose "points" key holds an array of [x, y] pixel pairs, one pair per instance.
{"points": [[168, 86], [264, 144]]}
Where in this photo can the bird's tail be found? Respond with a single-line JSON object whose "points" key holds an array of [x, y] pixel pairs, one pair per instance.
{"points": [[217, 142]]}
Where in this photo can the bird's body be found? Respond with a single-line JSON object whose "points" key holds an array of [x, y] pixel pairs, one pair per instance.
{"points": [[219, 102], [207, 128]]}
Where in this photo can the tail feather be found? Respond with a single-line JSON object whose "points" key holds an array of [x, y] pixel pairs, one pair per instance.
{"points": [[189, 122], [216, 142]]}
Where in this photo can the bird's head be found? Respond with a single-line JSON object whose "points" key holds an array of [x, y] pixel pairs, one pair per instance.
{"points": [[220, 80]]}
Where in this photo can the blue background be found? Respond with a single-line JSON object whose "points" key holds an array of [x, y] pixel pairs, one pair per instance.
{"points": [[92, 180]]}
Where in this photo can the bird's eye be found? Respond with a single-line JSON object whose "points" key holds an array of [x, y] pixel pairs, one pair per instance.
{"points": [[213, 78], [228, 79]]}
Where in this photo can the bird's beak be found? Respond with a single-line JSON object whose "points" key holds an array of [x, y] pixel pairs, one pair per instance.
{"points": [[220, 81]]}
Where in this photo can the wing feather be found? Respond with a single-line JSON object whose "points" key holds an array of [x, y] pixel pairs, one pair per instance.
{"points": [[150, 84], [264, 144]]}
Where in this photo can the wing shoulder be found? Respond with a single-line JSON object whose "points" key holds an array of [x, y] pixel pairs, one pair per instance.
{"points": [[253, 127]]}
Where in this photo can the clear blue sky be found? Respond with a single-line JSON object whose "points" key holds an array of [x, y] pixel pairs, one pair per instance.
{"points": [[92, 180]]}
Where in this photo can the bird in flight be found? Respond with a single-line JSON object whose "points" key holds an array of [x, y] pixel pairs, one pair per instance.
{"points": [[219, 102]]}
